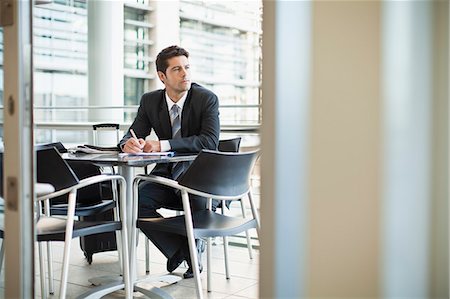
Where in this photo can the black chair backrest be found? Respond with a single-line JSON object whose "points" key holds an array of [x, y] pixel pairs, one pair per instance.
{"points": [[58, 145], [219, 173], [89, 195], [52, 169], [229, 145]]}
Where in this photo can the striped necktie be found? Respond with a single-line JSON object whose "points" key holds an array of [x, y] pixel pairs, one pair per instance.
{"points": [[175, 118]]}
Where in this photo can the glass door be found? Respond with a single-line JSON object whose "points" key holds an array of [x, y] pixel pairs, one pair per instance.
{"points": [[17, 230]]}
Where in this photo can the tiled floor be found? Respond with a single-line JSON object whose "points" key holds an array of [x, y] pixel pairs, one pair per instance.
{"points": [[243, 282]]}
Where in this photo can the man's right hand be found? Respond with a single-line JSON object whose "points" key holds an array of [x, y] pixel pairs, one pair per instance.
{"points": [[133, 145]]}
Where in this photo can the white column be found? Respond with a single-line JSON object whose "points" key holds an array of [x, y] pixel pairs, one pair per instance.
{"points": [[415, 173], [166, 32], [105, 59], [407, 135], [284, 141]]}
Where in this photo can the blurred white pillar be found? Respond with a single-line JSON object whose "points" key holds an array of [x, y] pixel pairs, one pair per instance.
{"points": [[407, 147], [105, 59], [285, 89], [415, 150]]}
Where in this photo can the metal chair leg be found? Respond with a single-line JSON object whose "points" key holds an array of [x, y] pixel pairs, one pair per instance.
{"points": [[147, 255], [42, 270], [208, 265], [67, 243], [51, 286], [254, 212], [2, 255], [247, 234], [119, 249], [191, 242], [65, 268], [225, 251], [117, 218]]}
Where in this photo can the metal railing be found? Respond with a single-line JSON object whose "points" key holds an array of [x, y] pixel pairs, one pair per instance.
{"points": [[55, 125], [129, 107]]}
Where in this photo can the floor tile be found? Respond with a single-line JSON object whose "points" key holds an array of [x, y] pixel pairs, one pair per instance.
{"points": [[243, 282]]}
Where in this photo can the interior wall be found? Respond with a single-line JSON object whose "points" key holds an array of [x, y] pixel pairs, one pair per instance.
{"points": [[344, 242]]}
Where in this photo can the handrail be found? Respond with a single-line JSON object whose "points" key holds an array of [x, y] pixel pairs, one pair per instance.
{"points": [[83, 107], [253, 128], [129, 107]]}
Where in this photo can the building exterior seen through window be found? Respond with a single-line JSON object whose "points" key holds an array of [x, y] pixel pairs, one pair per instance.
{"points": [[223, 38]]}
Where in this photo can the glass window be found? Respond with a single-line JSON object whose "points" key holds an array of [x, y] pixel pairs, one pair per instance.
{"points": [[223, 38], [224, 41]]}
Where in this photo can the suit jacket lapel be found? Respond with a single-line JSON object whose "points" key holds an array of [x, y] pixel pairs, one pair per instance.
{"points": [[166, 126], [185, 114]]}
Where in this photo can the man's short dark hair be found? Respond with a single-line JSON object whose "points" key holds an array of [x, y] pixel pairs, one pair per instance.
{"points": [[166, 54]]}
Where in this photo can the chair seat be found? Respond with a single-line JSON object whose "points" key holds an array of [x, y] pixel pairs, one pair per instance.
{"points": [[84, 209], [53, 229], [206, 224]]}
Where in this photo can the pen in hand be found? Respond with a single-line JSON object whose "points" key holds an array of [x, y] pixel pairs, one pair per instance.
{"points": [[133, 134], [135, 137]]}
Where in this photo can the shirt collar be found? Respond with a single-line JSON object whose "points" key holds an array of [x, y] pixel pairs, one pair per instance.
{"points": [[180, 102]]}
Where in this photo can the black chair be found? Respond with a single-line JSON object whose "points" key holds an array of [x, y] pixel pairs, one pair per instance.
{"points": [[91, 200], [228, 145], [94, 201], [52, 169], [232, 145], [214, 175]]}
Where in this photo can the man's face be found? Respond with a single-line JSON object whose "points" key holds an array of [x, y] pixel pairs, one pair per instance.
{"points": [[178, 75]]}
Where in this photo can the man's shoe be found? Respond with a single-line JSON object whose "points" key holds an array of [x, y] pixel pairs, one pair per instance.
{"points": [[175, 260], [190, 272], [200, 244]]}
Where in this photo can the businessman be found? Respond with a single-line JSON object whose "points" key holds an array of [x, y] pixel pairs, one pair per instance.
{"points": [[185, 117]]}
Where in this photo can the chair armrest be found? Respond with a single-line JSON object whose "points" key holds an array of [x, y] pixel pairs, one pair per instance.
{"points": [[83, 183], [43, 189], [158, 180], [174, 184]]}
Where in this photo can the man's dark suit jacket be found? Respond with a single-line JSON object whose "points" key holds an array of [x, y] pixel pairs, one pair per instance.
{"points": [[200, 126]]}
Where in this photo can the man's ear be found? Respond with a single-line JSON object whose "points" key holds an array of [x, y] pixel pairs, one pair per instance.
{"points": [[161, 76]]}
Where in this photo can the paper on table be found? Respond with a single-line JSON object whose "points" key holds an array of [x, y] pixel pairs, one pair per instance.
{"points": [[168, 154], [90, 149]]}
